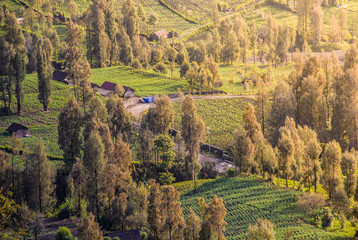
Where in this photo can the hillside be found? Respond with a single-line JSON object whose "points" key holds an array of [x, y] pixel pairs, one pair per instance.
{"points": [[247, 199]]}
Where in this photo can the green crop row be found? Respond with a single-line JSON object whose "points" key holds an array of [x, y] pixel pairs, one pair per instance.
{"points": [[247, 199], [176, 12]]}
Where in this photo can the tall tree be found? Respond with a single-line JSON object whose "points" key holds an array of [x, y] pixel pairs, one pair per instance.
{"points": [[283, 106], [70, 132], [263, 105], [192, 226], [345, 109], [6, 80], [312, 151], [41, 177], [342, 22], [119, 118], [286, 148], [193, 132], [97, 38], [94, 162], [174, 218], [155, 217], [331, 166], [131, 25], [76, 66], [44, 71], [90, 229], [244, 150], [13, 34], [316, 22], [349, 171], [159, 118], [213, 218]]}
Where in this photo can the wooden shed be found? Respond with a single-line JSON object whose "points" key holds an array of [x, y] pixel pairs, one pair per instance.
{"points": [[157, 35], [19, 130]]}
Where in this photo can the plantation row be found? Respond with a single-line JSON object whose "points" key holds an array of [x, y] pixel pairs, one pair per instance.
{"points": [[248, 199]]}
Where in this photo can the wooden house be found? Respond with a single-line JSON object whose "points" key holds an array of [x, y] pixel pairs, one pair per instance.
{"points": [[18, 130], [108, 88], [157, 35], [60, 76]]}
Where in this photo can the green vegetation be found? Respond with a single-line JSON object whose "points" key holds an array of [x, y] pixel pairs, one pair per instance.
{"points": [[221, 115], [144, 83], [247, 199], [185, 187]]}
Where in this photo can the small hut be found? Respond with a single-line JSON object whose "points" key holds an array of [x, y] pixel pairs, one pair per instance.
{"points": [[19, 130], [60, 76], [157, 35]]}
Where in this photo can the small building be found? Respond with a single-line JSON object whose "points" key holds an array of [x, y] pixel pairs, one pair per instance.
{"points": [[108, 88], [157, 35], [94, 86], [128, 92], [125, 235], [20, 21], [60, 76], [172, 34], [18, 130]]}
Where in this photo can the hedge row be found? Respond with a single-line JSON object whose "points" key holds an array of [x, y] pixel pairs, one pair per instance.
{"points": [[10, 150], [176, 12]]}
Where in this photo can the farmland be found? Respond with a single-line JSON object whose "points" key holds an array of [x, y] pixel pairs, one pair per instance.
{"points": [[144, 83], [221, 115], [247, 199]]}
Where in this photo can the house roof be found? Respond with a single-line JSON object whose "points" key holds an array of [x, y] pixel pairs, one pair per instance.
{"points": [[125, 235], [14, 127], [161, 33], [93, 85], [109, 86], [59, 75]]}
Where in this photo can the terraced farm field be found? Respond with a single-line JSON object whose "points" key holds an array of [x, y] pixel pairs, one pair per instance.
{"points": [[223, 116], [247, 199], [144, 83], [199, 10]]}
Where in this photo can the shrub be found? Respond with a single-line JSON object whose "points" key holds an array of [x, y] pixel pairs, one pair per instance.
{"points": [[107, 238], [327, 219], [63, 233]]}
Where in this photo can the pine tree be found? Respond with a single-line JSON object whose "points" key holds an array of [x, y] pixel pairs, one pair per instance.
{"points": [[90, 229], [69, 132], [264, 229], [6, 80], [349, 171], [342, 22], [78, 176], [94, 162], [331, 166], [283, 105], [44, 71], [42, 177], [263, 105], [174, 218], [316, 22], [253, 40], [286, 148], [155, 216], [131, 25], [303, 11], [345, 109], [192, 226], [119, 119], [193, 132], [312, 151], [13, 34], [74, 56], [214, 214], [244, 150]]}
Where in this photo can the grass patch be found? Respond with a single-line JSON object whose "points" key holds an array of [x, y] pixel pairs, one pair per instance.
{"points": [[223, 116], [144, 83], [185, 187]]}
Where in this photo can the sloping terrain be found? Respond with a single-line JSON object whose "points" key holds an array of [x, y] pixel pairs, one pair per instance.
{"points": [[248, 199]]}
